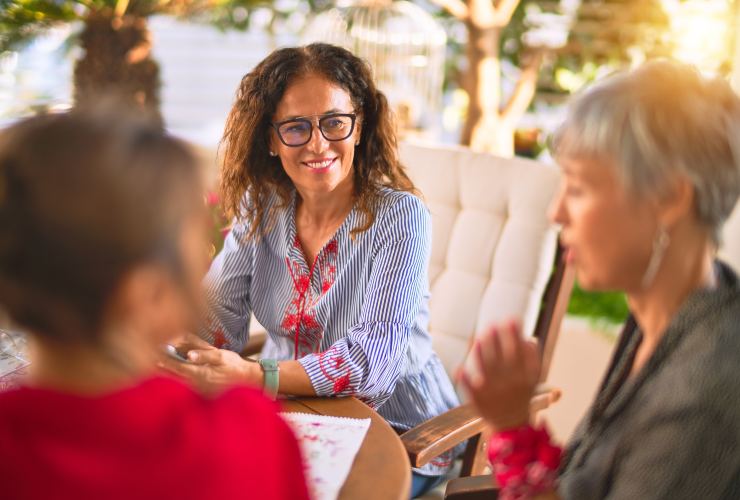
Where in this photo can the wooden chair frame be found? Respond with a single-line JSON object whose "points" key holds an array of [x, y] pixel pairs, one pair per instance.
{"points": [[437, 435]]}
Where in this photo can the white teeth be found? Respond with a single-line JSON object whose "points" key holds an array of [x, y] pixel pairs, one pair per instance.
{"points": [[319, 164]]}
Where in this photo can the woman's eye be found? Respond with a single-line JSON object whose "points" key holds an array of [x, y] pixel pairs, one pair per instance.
{"points": [[334, 123], [296, 128]]}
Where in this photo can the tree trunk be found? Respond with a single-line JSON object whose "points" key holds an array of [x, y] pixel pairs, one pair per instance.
{"points": [[117, 60], [485, 128]]}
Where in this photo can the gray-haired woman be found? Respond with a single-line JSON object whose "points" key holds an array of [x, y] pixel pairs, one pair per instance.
{"points": [[651, 163]]}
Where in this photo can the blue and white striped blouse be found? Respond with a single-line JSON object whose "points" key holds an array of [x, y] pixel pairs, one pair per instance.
{"points": [[356, 319]]}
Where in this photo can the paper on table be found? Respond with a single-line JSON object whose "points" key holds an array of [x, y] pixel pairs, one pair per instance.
{"points": [[329, 446], [13, 358]]}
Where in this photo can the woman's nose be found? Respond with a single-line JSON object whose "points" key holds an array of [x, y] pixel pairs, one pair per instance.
{"points": [[556, 210], [317, 143]]}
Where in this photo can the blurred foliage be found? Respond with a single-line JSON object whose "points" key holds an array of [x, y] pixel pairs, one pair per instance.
{"points": [[456, 62], [609, 307], [115, 40], [22, 20], [608, 35], [605, 35]]}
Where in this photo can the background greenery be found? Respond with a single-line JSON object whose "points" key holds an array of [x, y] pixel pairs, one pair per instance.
{"points": [[607, 307]]}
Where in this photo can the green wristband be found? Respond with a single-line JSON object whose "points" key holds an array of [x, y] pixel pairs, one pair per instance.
{"points": [[272, 376]]}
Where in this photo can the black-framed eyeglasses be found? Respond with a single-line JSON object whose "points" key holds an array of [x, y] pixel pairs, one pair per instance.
{"points": [[298, 131]]}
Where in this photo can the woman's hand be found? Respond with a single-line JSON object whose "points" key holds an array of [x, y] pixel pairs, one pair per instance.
{"points": [[212, 369], [508, 368]]}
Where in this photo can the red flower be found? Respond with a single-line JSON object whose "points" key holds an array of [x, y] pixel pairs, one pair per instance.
{"points": [[212, 199]]}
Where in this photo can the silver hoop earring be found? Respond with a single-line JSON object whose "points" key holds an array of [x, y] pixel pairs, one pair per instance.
{"points": [[273, 153], [660, 244]]}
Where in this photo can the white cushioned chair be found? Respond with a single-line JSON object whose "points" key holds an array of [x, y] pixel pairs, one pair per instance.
{"points": [[730, 251], [493, 255]]}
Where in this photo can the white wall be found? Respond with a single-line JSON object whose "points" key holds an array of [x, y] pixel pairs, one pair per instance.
{"points": [[201, 68]]}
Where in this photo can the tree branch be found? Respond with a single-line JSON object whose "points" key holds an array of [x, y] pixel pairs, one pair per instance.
{"points": [[524, 90], [492, 13], [504, 10], [455, 7]]}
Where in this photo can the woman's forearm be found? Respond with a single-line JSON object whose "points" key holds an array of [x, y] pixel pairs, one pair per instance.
{"points": [[294, 380]]}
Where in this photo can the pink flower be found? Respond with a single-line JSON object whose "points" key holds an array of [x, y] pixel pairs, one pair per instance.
{"points": [[212, 199]]}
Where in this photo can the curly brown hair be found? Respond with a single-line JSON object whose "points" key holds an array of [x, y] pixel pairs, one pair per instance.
{"points": [[247, 168]]}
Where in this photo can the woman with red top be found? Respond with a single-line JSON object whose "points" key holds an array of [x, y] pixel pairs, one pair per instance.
{"points": [[102, 251], [651, 164]]}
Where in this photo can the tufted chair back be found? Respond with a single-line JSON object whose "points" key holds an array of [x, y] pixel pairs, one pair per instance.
{"points": [[493, 247], [730, 250]]}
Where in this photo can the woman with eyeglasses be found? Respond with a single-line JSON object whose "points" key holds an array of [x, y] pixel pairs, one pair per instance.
{"points": [[329, 248]]}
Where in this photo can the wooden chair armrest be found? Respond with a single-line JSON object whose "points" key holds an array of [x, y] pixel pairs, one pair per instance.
{"points": [[445, 431], [544, 396], [257, 340], [441, 433], [471, 488]]}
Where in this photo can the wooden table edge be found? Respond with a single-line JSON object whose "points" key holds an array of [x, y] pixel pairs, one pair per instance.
{"points": [[377, 425]]}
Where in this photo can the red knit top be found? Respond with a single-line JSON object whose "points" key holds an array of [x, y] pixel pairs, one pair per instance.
{"points": [[158, 439]]}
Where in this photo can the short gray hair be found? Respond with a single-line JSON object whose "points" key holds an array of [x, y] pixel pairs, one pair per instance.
{"points": [[656, 122]]}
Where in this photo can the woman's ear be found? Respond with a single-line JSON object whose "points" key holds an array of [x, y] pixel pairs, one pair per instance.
{"points": [[677, 203], [147, 301], [272, 142]]}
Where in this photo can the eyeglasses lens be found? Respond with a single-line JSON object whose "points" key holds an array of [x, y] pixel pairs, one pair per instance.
{"points": [[333, 128]]}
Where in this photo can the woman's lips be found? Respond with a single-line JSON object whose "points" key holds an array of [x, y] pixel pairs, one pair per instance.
{"points": [[320, 165]]}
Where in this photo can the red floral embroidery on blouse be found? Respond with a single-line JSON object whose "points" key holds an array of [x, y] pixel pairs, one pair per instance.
{"points": [[332, 359], [331, 247], [441, 461], [219, 339], [341, 383], [300, 316]]}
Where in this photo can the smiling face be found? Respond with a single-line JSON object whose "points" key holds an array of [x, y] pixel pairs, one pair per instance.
{"points": [[608, 232], [320, 166]]}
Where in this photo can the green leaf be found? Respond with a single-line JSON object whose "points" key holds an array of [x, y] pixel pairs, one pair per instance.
{"points": [[23, 20], [604, 306]]}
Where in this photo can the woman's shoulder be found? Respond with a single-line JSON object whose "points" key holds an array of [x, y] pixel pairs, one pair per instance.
{"points": [[276, 212], [705, 364], [395, 203]]}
